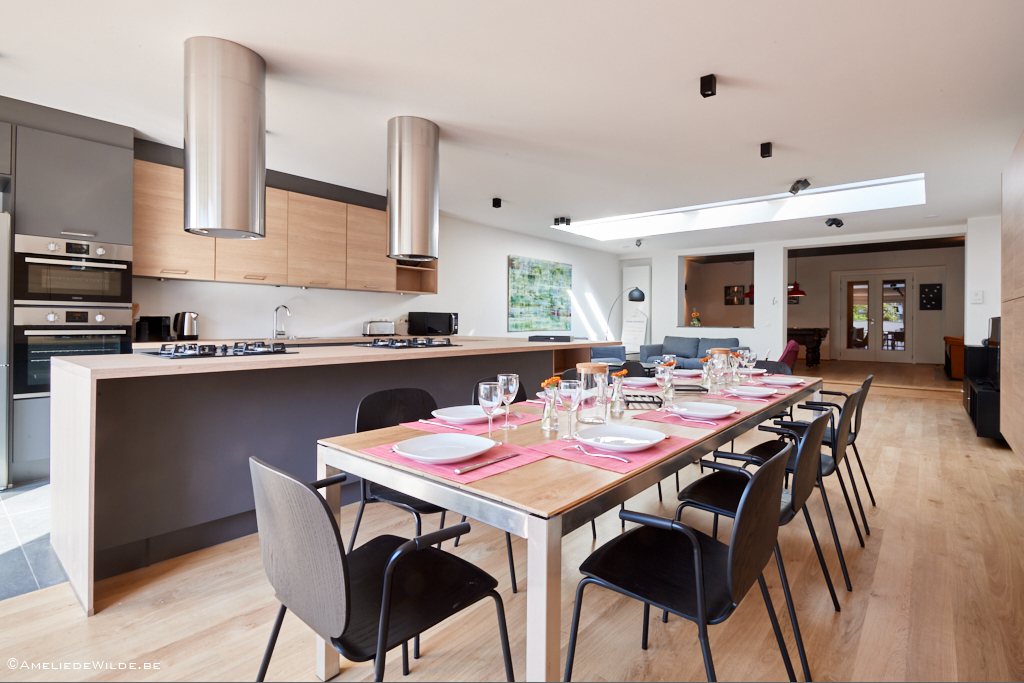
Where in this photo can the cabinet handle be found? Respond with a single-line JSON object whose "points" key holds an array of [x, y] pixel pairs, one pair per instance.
{"points": [[174, 271], [365, 286], [252, 276], [69, 233], [318, 282]]}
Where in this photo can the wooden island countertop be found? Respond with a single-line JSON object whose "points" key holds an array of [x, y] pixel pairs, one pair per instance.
{"points": [[307, 353]]}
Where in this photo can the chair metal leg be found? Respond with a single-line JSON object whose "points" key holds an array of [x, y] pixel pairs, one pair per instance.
{"points": [[359, 515], [863, 474], [270, 644], [775, 627], [792, 614], [511, 562], [849, 506], [419, 523], [664, 616], [835, 534], [623, 507], [506, 651], [856, 495], [570, 653], [661, 498], [405, 657], [647, 623], [457, 538], [705, 650], [441, 526], [416, 647], [714, 528], [593, 529], [678, 488], [821, 560]]}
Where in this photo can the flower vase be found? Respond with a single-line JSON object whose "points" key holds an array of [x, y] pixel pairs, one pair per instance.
{"points": [[549, 420]]}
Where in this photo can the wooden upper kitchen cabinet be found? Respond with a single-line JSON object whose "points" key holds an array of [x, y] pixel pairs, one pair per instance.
{"points": [[160, 245], [316, 241], [368, 264], [262, 261]]}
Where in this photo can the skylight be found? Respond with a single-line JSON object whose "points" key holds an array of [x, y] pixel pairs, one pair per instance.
{"points": [[868, 195]]}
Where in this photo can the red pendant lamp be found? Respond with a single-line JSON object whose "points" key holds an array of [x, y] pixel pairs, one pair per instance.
{"points": [[794, 289]]}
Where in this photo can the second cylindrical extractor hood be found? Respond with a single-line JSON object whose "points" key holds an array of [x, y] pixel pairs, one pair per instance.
{"points": [[412, 188], [225, 139]]}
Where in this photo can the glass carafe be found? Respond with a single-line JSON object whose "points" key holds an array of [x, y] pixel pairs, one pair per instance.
{"points": [[593, 387]]}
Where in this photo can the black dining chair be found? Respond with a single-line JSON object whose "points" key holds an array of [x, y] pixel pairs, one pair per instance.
{"points": [[720, 492], [830, 466], [388, 408], [855, 430], [371, 599], [569, 373], [670, 566], [776, 367], [635, 368]]}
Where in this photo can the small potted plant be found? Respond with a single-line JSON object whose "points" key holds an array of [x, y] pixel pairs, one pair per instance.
{"points": [[695, 318]]}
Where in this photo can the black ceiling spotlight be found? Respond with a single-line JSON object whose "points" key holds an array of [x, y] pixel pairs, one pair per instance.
{"points": [[496, 202], [834, 222], [799, 186], [766, 150], [562, 220], [708, 85]]}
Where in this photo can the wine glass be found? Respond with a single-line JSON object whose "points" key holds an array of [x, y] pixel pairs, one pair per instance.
{"points": [[663, 375], [509, 384], [569, 395], [490, 398]]}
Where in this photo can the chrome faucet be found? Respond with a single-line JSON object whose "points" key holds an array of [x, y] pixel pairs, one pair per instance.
{"points": [[279, 332]]}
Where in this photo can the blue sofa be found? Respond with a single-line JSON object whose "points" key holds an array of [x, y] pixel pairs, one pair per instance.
{"points": [[612, 355], [687, 350]]}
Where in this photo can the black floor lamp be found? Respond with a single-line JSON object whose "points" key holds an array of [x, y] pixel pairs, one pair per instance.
{"points": [[635, 294]]}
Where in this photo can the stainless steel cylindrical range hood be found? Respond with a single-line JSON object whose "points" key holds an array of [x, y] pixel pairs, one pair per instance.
{"points": [[225, 139], [412, 188]]}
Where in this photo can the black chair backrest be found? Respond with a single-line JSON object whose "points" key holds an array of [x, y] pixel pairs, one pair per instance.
{"points": [[865, 387], [520, 395], [634, 368], [302, 552], [776, 367], [390, 407], [570, 374], [756, 528], [808, 461], [842, 435]]}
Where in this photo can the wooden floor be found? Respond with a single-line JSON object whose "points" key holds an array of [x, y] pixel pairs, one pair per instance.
{"points": [[938, 591], [920, 377]]}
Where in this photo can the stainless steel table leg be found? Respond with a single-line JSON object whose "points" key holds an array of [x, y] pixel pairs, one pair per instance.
{"points": [[543, 598]]}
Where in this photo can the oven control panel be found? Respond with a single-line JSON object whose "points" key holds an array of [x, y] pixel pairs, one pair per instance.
{"points": [[71, 248], [68, 317]]}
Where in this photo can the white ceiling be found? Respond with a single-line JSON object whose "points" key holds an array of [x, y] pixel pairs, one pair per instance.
{"points": [[582, 108]]}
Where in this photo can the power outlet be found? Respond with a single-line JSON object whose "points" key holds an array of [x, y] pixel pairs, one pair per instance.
{"points": [[977, 296]]}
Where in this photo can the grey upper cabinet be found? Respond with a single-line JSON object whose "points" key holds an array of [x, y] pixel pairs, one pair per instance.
{"points": [[5, 148], [72, 188]]}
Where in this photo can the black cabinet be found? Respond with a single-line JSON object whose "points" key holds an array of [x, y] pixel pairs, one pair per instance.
{"points": [[981, 389], [72, 188], [5, 148]]}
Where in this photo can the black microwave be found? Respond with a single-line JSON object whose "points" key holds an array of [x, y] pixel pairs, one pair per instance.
{"points": [[429, 324]]}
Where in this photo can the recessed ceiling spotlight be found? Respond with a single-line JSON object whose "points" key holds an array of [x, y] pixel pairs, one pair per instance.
{"points": [[799, 186], [496, 202], [834, 222], [766, 150], [708, 85]]}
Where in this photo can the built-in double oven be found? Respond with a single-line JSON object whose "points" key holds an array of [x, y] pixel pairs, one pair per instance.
{"points": [[71, 298]]}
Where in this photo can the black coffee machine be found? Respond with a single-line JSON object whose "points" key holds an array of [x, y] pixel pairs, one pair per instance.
{"points": [[151, 328]]}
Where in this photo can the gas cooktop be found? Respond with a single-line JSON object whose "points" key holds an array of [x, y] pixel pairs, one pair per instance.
{"points": [[408, 343], [237, 350]]}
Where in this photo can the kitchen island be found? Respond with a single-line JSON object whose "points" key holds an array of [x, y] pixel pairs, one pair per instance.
{"points": [[149, 455]]}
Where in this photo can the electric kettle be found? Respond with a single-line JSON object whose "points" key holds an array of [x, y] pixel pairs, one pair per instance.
{"points": [[186, 326]]}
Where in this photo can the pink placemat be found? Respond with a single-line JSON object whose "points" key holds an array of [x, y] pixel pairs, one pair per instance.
{"points": [[518, 418], [566, 450], [525, 457], [663, 416]]}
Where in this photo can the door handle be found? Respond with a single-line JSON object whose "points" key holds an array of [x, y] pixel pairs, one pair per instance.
{"points": [[69, 233]]}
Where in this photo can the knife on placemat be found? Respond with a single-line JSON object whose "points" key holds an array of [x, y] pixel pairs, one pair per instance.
{"points": [[470, 468]]}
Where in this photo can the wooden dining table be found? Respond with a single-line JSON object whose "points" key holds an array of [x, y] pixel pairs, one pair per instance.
{"points": [[541, 501]]}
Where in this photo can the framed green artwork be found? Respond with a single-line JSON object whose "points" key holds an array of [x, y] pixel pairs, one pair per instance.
{"points": [[538, 295]]}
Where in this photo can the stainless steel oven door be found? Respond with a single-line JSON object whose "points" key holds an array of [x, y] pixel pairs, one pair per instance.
{"points": [[34, 344], [62, 272]]}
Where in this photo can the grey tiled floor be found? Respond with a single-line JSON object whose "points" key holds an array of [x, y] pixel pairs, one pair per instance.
{"points": [[27, 561]]}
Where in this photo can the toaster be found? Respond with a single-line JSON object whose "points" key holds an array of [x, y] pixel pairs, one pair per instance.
{"points": [[378, 328]]}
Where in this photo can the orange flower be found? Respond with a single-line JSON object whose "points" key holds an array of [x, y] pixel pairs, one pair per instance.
{"points": [[620, 373], [550, 382], [669, 363], [735, 354], [705, 359]]}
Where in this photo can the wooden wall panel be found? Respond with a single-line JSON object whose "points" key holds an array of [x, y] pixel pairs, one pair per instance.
{"points": [[1012, 352]]}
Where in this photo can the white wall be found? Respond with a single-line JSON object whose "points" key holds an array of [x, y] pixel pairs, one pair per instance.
{"points": [[982, 274], [472, 281]]}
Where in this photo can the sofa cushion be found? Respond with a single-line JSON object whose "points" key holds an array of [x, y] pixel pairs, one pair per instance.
{"points": [[683, 347], [712, 343]]}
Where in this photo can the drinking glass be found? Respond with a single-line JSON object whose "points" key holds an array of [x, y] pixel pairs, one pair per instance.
{"points": [[663, 375], [569, 398], [490, 397], [509, 384]]}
